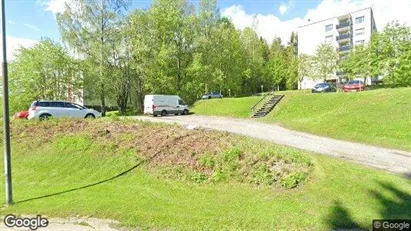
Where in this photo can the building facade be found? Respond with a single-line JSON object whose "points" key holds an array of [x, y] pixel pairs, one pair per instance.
{"points": [[343, 32]]}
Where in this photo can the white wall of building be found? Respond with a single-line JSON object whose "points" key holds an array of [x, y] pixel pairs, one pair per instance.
{"points": [[311, 35], [366, 26]]}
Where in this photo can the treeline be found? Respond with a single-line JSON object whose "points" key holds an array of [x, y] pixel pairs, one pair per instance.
{"points": [[113, 55], [387, 56]]}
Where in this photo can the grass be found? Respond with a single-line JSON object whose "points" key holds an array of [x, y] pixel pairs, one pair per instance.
{"points": [[58, 176], [129, 112], [379, 117], [230, 107], [234, 107]]}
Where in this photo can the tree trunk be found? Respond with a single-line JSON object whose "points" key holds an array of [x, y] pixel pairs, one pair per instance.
{"points": [[103, 100]]}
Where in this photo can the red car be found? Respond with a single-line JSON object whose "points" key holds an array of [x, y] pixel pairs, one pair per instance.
{"points": [[21, 115], [354, 85]]}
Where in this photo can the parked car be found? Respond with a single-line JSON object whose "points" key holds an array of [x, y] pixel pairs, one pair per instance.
{"points": [[44, 109], [21, 115], [324, 87], [354, 85], [212, 95], [164, 104]]}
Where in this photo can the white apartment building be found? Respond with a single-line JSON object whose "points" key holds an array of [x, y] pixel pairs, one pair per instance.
{"points": [[343, 32]]}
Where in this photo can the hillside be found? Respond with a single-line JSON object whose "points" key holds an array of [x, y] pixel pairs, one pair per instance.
{"points": [[156, 176], [379, 117], [230, 107]]}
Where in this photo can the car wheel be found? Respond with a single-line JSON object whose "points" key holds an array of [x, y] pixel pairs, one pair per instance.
{"points": [[175, 113], [185, 112], [155, 115], [163, 113], [44, 116], [209, 97], [90, 116]]}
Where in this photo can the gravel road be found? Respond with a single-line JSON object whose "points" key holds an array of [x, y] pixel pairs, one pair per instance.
{"points": [[388, 159]]}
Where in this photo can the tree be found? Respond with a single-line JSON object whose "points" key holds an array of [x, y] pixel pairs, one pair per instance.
{"points": [[305, 67], [325, 60], [44, 71], [254, 61], [402, 74], [87, 27], [358, 63], [393, 43]]}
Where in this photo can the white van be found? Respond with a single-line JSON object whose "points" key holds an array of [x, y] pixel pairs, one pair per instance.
{"points": [[164, 104]]}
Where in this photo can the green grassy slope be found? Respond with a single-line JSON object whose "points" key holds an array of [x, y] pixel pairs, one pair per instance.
{"points": [[230, 107], [378, 117], [60, 177]]}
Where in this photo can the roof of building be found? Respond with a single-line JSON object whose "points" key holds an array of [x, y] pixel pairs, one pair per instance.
{"points": [[308, 24]]}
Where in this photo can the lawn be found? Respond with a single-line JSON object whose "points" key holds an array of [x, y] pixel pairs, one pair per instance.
{"points": [[229, 107], [379, 117], [196, 180]]}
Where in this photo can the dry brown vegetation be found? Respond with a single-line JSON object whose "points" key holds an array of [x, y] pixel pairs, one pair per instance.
{"points": [[174, 152]]}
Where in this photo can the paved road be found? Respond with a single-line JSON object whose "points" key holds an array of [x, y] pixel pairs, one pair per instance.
{"points": [[388, 159]]}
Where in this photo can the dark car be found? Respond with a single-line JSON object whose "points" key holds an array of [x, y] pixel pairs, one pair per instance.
{"points": [[212, 95], [354, 85], [324, 87]]}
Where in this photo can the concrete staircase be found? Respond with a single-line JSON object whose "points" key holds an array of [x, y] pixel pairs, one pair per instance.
{"points": [[268, 106]]}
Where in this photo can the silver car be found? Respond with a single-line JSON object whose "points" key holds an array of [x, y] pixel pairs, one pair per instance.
{"points": [[212, 95]]}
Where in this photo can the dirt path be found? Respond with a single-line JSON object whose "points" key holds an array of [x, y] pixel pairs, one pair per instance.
{"points": [[388, 159]]}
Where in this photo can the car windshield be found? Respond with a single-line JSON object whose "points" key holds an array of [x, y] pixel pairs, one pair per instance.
{"points": [[34, 104]]}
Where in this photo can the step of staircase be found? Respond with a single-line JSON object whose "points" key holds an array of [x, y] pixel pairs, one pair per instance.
{"points": [[268, 106]]}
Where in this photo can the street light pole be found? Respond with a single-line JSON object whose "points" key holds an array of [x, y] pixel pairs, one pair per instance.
{"points": [[6, 118]]}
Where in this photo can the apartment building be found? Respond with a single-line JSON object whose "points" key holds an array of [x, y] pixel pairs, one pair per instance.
{"points": [[343, 32]]}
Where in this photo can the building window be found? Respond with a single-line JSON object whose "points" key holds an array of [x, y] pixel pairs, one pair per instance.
{"points": [[359, 19], [360, 31], [329, 27], [329, 38], [358, 42]]}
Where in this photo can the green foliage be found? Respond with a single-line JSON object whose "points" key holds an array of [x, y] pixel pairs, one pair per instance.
{"points": [[198, 177], [325, 60], [94, 31], [44, 71], [386, 55], [358, 63], [207, 160], [168, 48], [305, 67], [293, 179]]}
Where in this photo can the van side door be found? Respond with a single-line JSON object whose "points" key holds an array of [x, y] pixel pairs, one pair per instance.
{"points": [[181, 106]]}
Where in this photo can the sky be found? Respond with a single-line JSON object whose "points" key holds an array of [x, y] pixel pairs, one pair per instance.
{"points": [[27, 21]]}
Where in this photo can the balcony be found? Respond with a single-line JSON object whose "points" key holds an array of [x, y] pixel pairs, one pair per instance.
{"points": [[344, 38], [344, 17], [344, 26], [344, 49]]}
